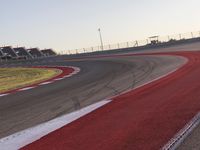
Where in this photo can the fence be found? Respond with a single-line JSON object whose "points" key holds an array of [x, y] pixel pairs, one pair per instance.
{"points": [[137, 43]]}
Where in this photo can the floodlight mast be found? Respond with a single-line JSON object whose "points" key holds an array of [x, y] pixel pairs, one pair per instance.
{"points": [[101, 39]]}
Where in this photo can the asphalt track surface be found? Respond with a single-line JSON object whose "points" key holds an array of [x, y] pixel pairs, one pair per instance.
{"points": [[98, 79], [146, 118]]}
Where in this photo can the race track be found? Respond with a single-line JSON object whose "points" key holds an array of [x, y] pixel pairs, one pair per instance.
{"points": [[99, 78], [145, 118]]}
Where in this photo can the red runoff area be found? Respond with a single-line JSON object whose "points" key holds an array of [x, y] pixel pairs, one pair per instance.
{"points": [[143, 119]]}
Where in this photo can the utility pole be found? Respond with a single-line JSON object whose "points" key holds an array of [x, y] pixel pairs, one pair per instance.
{"points": [[100, 38]]}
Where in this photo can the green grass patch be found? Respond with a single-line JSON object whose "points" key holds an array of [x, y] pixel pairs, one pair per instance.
{"points": [[13, 78]]}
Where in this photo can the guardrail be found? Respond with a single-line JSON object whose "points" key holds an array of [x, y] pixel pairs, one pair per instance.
{"points": [[155, 40]]}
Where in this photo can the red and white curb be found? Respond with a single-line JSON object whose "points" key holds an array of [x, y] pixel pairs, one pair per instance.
{"points": [[59, 77]]}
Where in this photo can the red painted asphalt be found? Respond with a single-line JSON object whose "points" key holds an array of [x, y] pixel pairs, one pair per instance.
{"points": [[65, 71], [143, 119]]}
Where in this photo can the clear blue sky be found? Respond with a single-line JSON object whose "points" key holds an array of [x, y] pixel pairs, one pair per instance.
{"points": [[70, 24]]}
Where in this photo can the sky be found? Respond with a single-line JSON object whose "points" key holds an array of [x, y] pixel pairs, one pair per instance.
{"points": [[70, 24]]}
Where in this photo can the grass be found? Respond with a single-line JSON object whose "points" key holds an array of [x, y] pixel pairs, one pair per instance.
{"points": [[13, 78]]}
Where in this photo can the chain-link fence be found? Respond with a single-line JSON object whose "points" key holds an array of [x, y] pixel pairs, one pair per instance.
{"points": [[138, 43]]}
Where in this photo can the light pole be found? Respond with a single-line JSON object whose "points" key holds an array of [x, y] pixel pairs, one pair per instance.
{"points": [[100, 38]]}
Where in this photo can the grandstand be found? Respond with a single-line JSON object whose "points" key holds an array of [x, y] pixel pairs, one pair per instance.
{"points": [[35, 52], [1, 53], [8, 51], [4, 56], [21, 51], [48, 52]]}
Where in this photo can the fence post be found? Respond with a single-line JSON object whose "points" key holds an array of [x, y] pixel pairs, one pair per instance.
{"points": [[136, 43], [180, 36], [192, 35], [169, 38], [147, 41], [118, 45], [127, 45]]}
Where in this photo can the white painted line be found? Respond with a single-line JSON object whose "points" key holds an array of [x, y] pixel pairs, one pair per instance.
{"points": [[44, 83], [58, 79], [1, 95], [27, 88], [182, 134], [67, 76], [25, 137], [73, 73]]}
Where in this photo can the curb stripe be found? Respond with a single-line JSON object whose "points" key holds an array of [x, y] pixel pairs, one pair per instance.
{"points": [[1, 95], [27, 88], [61, 76], [45, 83]]}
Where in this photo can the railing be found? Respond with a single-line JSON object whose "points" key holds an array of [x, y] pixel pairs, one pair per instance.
{"points": [[137, 43]]}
